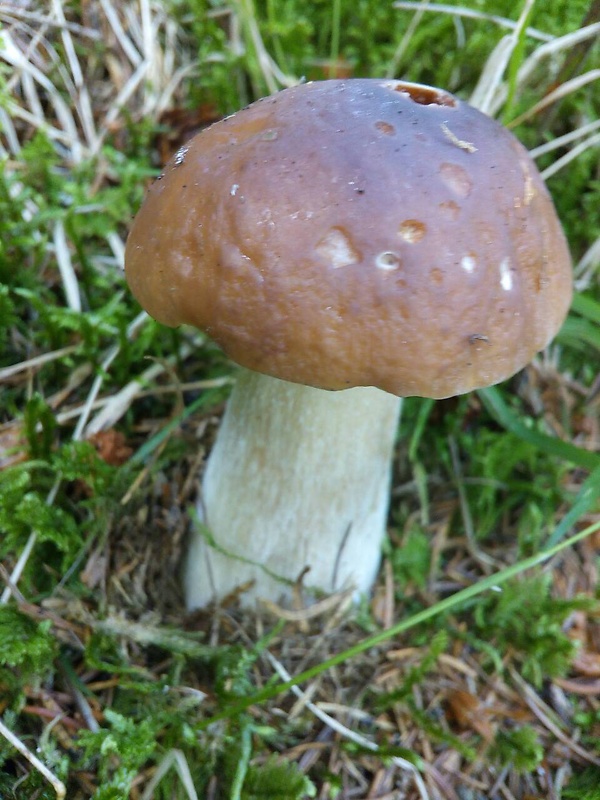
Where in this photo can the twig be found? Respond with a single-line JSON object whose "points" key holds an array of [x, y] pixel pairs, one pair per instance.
{"points": [[469, 13], [274, 77], [124, 41], [19, 567], [177, 759], [65, 267], [81, 701], [544, 714], [490, 81], [562, 91], [57, 785], [312, 611], [113, 352], [38, 361], [587, 265], [13, 55], [120, 402], [396, 59], [82, 97], [347, 733], [546, 51], [567, 138], [17, 12], [587, 144]]}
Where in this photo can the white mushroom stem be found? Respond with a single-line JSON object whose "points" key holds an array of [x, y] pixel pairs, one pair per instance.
{"points": [[299, 477]]}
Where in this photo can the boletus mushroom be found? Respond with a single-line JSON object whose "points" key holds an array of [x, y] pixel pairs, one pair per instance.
{"points": [[349, 243]]}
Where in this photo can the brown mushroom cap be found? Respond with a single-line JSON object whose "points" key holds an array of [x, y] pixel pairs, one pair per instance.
{"points": [[356, 233]]}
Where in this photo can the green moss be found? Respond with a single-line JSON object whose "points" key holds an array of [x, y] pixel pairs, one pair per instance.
{"points": [[524, 619], [519, 749]]}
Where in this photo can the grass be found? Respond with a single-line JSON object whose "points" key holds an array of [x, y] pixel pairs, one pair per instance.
{"points": [[473, 671]]}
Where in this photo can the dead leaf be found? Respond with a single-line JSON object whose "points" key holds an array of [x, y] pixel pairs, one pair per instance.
{"points": [[468, 712], [111, 446], [13, 445]]}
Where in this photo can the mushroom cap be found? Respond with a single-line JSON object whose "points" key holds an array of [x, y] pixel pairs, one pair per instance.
{"points": [[357, 233]]}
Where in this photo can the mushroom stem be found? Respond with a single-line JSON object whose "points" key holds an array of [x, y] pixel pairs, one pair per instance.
{"points": [[299, 477]]}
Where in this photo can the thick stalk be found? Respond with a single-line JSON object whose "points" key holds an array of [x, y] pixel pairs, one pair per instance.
{"points": [[298, 477]]}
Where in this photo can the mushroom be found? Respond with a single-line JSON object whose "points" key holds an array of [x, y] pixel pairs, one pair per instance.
{"points": [[349, 243]]}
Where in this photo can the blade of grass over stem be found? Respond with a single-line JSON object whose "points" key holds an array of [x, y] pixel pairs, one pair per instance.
{"points": [[204, 401], [204, 531], [495, 405], [449, 603], [425, 409]]}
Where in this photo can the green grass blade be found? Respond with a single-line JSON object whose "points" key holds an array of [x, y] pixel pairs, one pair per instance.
{"points": [[579, 334], [586, 306], [515, 63], [586, 501], [425, 409], [495, 405], [448, 604]]}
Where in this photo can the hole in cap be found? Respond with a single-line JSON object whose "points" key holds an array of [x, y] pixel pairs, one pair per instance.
{"points": [[423, 95], [388, 261]]}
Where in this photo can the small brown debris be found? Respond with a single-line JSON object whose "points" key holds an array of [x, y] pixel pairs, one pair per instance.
{"points": [[468, 712], [111, 446]]}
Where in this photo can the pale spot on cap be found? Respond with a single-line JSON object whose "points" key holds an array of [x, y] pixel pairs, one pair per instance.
{"points": [[468, 263], [337, 248], [456, 178], [506, 278]]}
